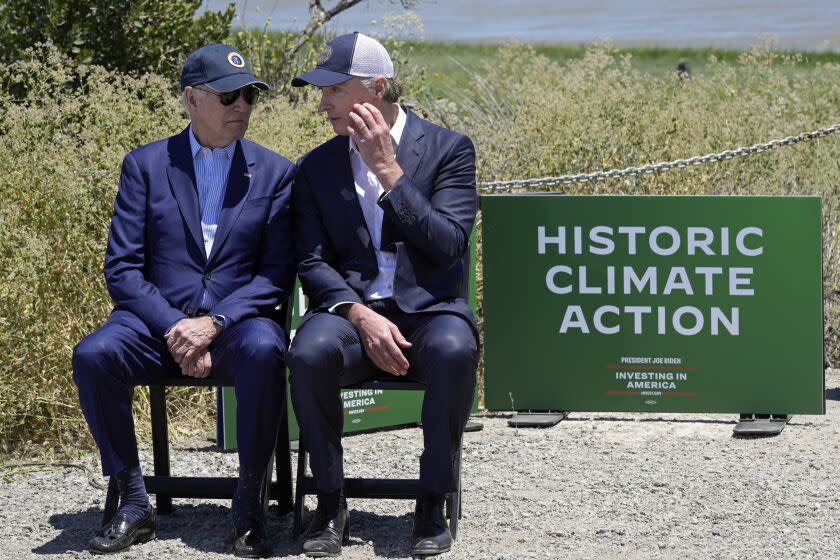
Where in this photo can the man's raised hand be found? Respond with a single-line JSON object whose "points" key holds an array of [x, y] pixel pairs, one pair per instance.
{"points": [[372, 136]]}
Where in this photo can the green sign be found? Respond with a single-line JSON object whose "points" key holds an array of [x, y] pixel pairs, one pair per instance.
{"points": [[631, 303], [363, 410]]}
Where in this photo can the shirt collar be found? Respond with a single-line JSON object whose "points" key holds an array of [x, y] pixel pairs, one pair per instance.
{"points": [[195, 146], [396, 130]]}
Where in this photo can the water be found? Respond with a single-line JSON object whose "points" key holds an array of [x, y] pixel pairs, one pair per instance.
{"points": [[802, 25]]}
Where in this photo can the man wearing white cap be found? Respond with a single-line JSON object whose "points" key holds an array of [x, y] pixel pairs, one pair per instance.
{"points": [[383, 214]]}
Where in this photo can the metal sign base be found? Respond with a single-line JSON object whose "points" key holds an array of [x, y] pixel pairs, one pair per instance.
{"points": [[761, 424], [537, 419], [473, 426]]}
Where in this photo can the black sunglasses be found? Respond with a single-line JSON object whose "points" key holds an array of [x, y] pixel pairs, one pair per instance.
{"points": [[250, 94]]}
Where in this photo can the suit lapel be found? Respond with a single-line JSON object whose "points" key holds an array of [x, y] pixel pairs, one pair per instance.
{"points": [[181, 174], [411, 149], [236, 192], [409, 155]]}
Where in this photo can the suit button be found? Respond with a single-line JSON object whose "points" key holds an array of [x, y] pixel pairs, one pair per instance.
{"points": [[189, 310], [208, 276]]}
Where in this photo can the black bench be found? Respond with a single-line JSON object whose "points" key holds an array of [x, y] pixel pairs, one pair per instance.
{"points": [[165, 486], [383, 488]]}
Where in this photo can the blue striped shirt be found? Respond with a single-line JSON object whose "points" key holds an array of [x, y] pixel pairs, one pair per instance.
{"points": [[212, 167]]}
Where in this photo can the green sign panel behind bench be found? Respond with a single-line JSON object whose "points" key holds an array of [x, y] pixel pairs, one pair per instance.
{"points": [[681, 304]]}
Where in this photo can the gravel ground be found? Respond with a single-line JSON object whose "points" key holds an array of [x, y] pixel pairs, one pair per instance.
{"points": [[634, 486]]}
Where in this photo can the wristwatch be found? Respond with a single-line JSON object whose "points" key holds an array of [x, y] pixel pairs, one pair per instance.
{"points": [[218, 320]]}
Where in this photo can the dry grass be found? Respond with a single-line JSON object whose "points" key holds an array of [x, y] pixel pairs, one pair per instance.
{"points": [[530, 117]]}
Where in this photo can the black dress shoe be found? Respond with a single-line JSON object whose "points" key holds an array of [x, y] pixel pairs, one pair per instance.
{"points": [[252, 542], [119, 534], [328, 530], [431, 532]]}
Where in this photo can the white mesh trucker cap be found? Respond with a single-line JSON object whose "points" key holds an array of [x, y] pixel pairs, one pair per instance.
{"points": [[354, 54]]}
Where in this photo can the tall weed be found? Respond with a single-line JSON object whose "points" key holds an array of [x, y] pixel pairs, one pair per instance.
{"points": [[63, 142]]}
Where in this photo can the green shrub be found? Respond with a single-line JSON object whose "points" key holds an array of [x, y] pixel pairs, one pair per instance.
{"points": [[132, 36], [64, 140], [266, 51]]}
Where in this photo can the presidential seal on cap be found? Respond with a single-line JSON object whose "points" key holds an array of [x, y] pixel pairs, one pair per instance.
{"points": [[220, 67], [346, 56]]}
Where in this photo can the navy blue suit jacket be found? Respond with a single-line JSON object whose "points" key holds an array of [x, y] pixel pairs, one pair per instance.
{"points": [[428, 218], [155, 266]]}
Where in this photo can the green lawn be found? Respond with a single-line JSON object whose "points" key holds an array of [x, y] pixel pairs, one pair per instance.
{"points": [[444, 62]]}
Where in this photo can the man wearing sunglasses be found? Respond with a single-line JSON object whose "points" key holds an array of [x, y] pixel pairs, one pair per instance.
{"points": [[199, 257]]}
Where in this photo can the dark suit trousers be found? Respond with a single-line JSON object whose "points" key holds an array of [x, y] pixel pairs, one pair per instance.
{"points": [[108, 363], [327, 353]]}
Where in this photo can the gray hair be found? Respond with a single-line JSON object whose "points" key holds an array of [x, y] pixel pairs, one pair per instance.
{"points": [[184, 103], [393, 89]]}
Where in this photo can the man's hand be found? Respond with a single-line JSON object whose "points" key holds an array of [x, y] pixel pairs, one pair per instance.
{"points": [[199, 367], [189, 337], [381, 338], [372, 136]]}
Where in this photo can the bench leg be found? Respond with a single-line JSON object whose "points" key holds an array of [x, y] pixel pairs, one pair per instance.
{"points": [[283, 464], [160, 443], [299, 495], [453, 500]]}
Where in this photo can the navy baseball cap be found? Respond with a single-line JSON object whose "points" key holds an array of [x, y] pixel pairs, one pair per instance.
{"points": [[220, 67], [346, 56]]}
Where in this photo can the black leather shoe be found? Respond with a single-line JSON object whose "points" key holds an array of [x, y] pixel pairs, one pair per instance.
{"points": [[119, 534], [431, 532], [252, 542], [328, 530]]}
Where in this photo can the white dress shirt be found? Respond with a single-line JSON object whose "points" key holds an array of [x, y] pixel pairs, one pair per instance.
{"points": [[369, 189], [212, 167]]}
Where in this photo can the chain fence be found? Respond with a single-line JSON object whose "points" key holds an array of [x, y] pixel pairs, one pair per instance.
{"points": [[536, 183]]}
